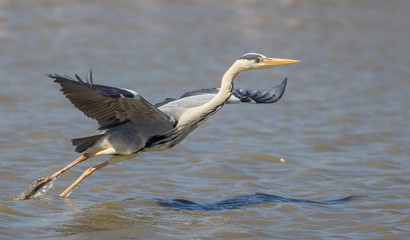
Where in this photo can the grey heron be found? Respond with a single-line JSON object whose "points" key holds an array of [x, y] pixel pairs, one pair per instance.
{"points": [[129, 124]]}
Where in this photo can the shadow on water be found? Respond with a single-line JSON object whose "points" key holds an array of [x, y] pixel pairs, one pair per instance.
{"points": [[240, 201]]}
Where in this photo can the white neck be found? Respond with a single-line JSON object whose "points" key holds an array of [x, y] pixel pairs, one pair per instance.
{"points": [[203, 112]]}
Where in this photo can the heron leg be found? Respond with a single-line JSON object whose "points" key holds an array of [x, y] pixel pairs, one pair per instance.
{"points": [[72, 164], [87, 173], [90, 170], [39, 183]]}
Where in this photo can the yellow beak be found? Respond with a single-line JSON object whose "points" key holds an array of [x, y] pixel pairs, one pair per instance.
{"points": [[278, 61]]}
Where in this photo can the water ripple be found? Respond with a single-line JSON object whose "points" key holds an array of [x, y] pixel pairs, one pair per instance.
{"points": [[240, 201]]}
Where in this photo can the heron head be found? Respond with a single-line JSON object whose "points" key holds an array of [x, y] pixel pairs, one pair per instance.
{"points": [[252, 61]]}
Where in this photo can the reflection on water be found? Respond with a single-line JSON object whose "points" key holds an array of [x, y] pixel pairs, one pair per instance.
{"points": [[341, 129], [241, 201]]}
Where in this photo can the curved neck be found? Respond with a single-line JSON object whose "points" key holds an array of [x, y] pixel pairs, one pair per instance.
{"points": [[203, 112], [225, 90]]}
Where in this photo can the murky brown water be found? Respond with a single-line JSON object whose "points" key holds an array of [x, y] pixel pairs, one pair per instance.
{"points": [[343, 126]]}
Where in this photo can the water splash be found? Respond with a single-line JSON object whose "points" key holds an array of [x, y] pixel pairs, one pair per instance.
{"points": [[40, 194], [69, 193], [241, 201], [44, 189]]}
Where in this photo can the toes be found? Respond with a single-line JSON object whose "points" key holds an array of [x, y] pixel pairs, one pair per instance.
{"points": [[43, 180]]}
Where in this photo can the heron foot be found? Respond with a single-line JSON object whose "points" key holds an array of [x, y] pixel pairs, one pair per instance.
{"points": [[44, 179], [33, 188]]}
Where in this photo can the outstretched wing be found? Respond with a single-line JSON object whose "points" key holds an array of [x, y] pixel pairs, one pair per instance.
{"points": [[198, 97], [112, 106], [254, 96]]}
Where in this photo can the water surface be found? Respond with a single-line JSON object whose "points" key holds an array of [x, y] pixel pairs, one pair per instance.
{"points": [[341, 131]]}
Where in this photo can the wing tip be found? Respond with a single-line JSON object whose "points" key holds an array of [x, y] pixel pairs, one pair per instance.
{"points": [[55, 76], [58, 78], [89, 77], [282, 88]]}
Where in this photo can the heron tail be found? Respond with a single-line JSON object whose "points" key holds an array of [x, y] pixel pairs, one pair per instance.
{"points": [[82, 144]]}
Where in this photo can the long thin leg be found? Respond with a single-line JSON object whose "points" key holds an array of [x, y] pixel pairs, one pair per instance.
{"points": [[90, 170], [39, 183], [72, 164], [84, 175]]}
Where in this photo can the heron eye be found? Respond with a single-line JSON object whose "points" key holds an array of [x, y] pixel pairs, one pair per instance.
{"points": [[258, 60]]}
